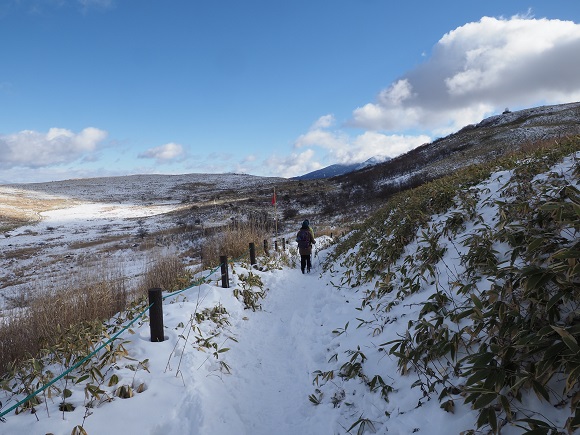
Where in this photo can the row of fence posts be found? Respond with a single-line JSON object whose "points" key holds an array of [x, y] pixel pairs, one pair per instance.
{"points": [[156, 298]]}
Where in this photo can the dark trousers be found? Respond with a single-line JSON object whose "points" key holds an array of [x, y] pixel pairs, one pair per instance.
{"points": [[305, 261]]}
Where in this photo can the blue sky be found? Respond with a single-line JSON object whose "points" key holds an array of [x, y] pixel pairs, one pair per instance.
{"points": [[268, 87]]}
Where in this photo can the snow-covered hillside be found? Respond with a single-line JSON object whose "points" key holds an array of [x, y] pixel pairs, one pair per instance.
{"points": [[354, 347], [493, 137], [145, 188], [77, 224]]}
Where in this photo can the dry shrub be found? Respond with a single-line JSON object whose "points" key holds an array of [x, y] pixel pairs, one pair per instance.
{"points": [[530, 147], [87, 297], [234, 240], [167, 272], [91, 295]]}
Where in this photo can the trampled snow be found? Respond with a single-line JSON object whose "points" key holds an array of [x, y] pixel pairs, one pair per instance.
{"points": [[273, 353]]}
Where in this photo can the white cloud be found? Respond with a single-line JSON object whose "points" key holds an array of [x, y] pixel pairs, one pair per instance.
{"points": [[478, 69], [164, 153], [292, 165], [32, 149], [397, 93], [322, 138], [325, 121], [474, 71], [342, 148], [373, 144]]}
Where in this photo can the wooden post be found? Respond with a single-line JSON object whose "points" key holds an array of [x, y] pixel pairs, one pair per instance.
{"points": [[284, 244], [275, 210], [252, 253], [266, 247], [156, 315], [276, 245], [225, 271]]}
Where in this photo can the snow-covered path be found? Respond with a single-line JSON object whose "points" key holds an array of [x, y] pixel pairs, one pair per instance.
{"points": [[279, 349], [272, 370]]}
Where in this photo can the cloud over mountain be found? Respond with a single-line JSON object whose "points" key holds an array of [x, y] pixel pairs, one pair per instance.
{"points": [[347, 149], [478, 68], [164, 153]]}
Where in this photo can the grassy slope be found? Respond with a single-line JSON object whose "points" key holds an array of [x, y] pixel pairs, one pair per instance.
{"points": [[501, 319]]}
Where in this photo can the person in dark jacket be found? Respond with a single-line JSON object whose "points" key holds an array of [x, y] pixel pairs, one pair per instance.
{"points": [[305, 239]]}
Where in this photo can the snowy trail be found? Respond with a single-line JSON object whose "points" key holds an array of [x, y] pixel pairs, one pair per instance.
{"points": [[272, 363], [272, 368], [278, 349]]}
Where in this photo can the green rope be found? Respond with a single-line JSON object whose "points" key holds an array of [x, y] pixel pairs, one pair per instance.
{"points": [[194, 284], [85, 359], [114, 337]]}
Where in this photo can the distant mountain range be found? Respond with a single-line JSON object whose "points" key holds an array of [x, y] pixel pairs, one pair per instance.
{"points": [[339, 169]]}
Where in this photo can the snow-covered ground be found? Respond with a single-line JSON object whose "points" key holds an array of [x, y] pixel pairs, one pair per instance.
{"points": [[76, 224], [275, 370], [77, 234], [145, 188], [272, 356], [270, 362]]}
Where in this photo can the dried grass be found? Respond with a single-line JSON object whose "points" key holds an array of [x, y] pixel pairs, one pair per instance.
{"points": [[234, 240], [165, 271], [41, 317]]}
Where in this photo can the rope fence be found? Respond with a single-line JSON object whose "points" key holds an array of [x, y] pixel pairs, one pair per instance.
{"points": [[196, 283], [75, 366]]}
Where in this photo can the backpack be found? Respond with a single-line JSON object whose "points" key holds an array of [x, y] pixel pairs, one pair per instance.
{"points": [[303, 239]]}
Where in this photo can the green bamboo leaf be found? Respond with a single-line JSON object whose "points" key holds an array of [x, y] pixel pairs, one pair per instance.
{"points": [[567, 338], [483, 418], [492, 418], [572, 379], [506, 407], [462, 315], [555, 299], [484, 399], [535, 422], [536, 278], [564, 254], [536, 243], [538, 431], [550, 206], [540, 390], [476, 301], [81, 379], [483, 359]]}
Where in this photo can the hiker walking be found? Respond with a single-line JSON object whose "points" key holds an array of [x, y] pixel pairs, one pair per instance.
{"points": [[305, 239]]}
